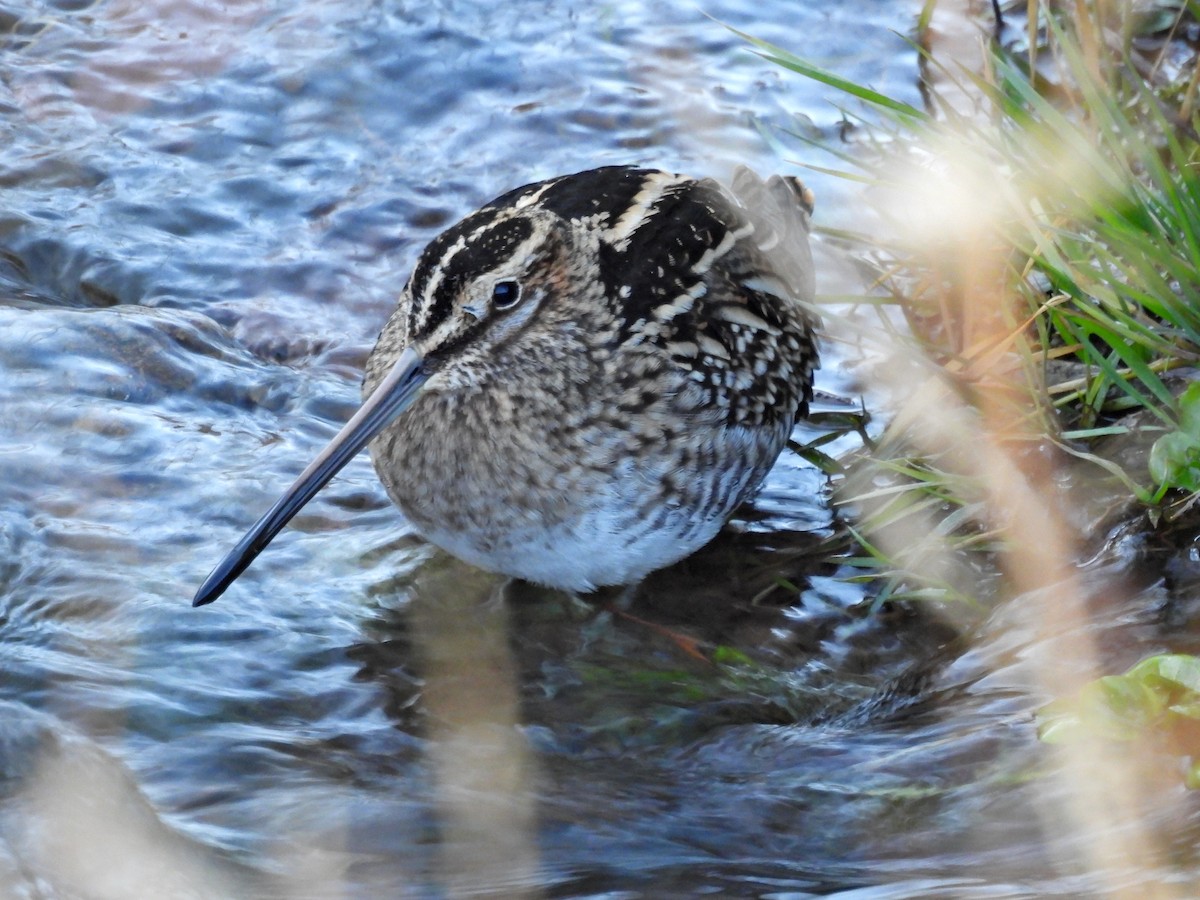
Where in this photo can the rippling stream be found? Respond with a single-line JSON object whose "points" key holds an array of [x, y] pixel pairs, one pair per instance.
{"points": [[206, 213]]}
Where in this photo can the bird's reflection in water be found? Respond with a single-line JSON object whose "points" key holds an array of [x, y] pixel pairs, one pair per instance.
{"points": [[451, 673]]}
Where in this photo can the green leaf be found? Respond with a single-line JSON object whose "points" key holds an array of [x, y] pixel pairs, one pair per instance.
{"points": [[1157, 698], [1175, 461], [1059, 723], [1123, 704], [1175, 457], [1189, 411], [1188, 710], [1174, 671]]}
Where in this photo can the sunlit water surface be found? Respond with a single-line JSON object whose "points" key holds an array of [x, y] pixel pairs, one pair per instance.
{"points": [[207, 212]]}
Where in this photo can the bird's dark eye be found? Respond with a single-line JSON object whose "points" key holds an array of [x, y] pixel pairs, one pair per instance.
{"points": [[506, 294]]}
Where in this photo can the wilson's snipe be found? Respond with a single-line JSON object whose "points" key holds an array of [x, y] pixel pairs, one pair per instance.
{"points": [[584, 378]]}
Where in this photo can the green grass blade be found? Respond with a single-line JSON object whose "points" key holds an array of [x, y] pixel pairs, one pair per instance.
{"points": [[781, 57]]}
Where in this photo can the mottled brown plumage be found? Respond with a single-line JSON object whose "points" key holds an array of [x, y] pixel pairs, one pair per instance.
{"points": [[584, 378]]}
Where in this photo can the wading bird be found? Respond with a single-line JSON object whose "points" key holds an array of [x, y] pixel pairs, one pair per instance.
{"points": [[585, 377]]}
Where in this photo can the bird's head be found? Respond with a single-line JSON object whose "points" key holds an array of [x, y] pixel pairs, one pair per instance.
{"points": [[484, 293], [481, 293]]}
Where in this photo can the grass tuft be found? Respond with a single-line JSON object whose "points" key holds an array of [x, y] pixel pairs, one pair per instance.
{"points": [[1033, 283]]}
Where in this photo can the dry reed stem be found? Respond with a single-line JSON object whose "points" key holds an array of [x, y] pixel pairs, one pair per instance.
{"points": [[981, 436]]}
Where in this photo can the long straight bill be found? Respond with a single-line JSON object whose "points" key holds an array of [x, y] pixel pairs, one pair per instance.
{"points": [[389, 399]]}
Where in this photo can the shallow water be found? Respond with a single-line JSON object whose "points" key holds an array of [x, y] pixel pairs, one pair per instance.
{"points": [[207, 213]]}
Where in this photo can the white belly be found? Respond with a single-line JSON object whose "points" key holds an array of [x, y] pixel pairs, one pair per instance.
{"points": [[616, 537]]}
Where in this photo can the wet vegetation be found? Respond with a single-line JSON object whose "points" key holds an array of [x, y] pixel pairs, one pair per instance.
{"points": [[1033, 261]]}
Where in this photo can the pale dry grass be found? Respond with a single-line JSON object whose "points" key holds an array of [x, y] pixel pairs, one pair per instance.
{"points": [[965, 396]]}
